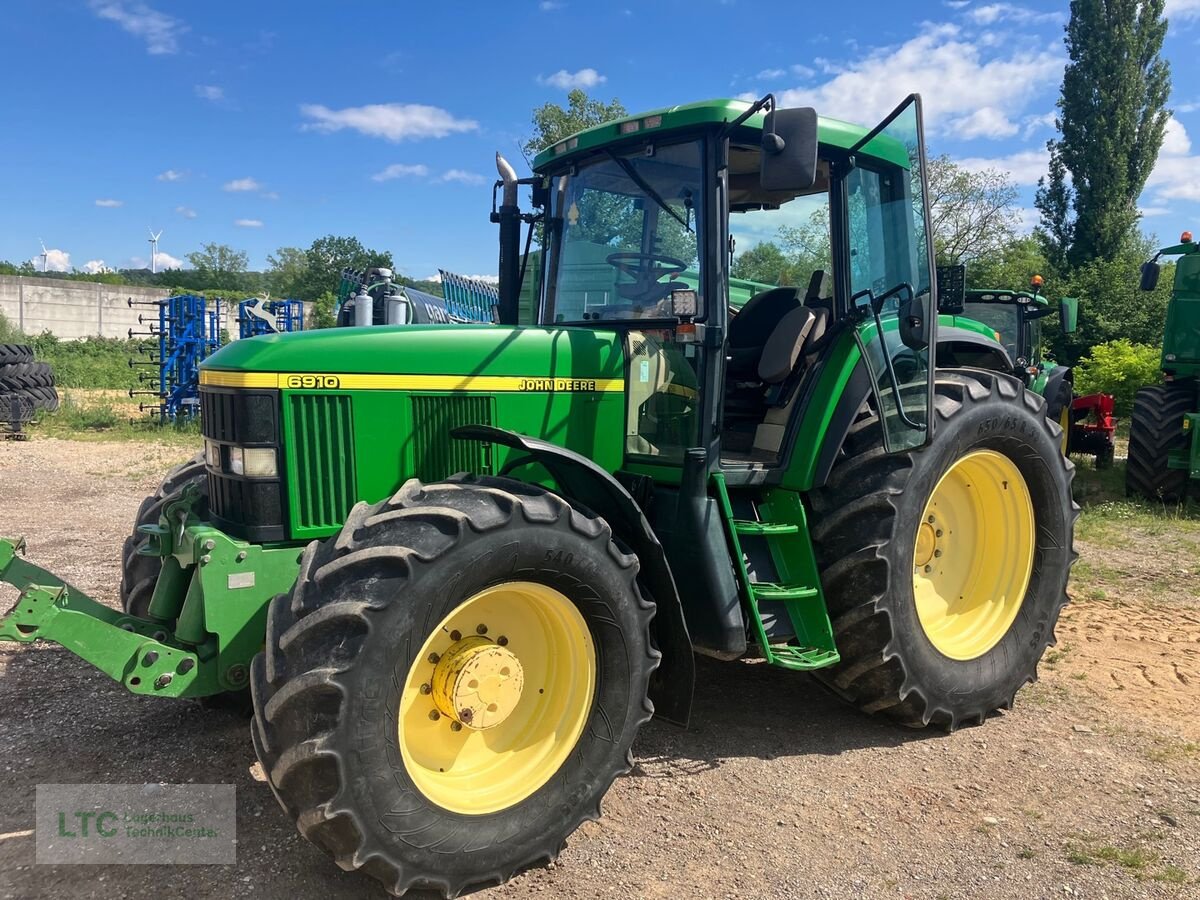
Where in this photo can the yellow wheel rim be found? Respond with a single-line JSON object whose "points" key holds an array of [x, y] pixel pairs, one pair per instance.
{"points": [[497, 698], [973, 555], [1064, 422]]}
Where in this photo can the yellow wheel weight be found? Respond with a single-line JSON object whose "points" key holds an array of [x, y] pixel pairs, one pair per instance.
{"points": [[973, 555], [497, 698]]}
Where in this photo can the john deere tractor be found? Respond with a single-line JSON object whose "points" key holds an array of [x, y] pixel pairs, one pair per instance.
{"points": [[1087, 422], [459, 566], [1164, 452]]}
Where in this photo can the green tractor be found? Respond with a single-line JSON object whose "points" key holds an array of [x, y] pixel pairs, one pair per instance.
{"points": [[460, 566], [1087, 422], [1164, 452]]}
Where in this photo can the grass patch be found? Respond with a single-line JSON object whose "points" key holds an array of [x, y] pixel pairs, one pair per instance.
{"points": [[1135, 860], [1169, 749], [1171, 875], [1108, 515], [81, 420], [1026, 853]]}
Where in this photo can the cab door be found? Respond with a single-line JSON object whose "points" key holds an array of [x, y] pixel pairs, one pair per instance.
{"points": [[891, 271]]}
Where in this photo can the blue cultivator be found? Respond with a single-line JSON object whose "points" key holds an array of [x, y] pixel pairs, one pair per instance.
{"points": [[188, 331], [259, 316]]}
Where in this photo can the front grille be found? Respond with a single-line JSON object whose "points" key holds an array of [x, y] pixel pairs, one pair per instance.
{"points": [[324, 459], [248, 508], [436, 455]]}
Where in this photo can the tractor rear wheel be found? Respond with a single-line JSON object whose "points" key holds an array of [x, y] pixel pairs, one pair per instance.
{"points": [[945, 568], [138, 572], [453, 683], [1155, 430]]}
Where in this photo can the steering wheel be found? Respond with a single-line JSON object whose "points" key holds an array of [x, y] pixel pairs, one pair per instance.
{"points": [[645, 274]]}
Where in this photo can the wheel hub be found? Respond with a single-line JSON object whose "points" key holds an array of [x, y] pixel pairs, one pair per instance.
{"points": [[477, 683], [926, 544]]}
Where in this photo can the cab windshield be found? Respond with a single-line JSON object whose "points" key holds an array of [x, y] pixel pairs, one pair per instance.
{"points": [[626, 225], [1001, 317]]}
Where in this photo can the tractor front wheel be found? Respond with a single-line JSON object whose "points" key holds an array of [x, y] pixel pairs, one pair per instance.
{"points": [[945, 568], [1155, 431], [453, 683]]}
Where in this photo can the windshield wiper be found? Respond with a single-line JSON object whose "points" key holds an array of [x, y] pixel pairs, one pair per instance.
{"points": [[650, 192]]}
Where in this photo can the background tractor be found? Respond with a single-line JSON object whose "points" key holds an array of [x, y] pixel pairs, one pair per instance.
{"points": [[1087, 422], [1164, 452], [459, 566]]}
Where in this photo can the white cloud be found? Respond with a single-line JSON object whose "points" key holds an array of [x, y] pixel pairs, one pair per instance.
{"points": [[248, 223], [490, 279], [566, 81], [955, 78], [242, 184], [1008, 12], [401, 170], [956, 4], [210, 92], [186, 212], [169, 175], [1149, 211], [94, 267], [1025, 167], [550, 5], [56, 261], [160, 31], [392, 121], [1028, 219], [463, 177], [164, 260], [1174, 175], [1033, 124], [269, 195], [1183, 9], [109, 203], [771, 74], [987, 121]]}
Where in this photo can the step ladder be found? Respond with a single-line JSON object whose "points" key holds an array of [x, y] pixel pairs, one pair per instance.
{"points": [[779, 520]]}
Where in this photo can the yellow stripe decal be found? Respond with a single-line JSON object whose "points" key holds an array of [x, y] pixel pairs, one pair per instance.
{"points": [[354, 382]]}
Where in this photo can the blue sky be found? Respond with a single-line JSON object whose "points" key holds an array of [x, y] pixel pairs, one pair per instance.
{"points": [[268, 124]]}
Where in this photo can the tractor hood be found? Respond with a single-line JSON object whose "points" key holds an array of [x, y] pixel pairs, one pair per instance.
{"points": [[475, 352]]}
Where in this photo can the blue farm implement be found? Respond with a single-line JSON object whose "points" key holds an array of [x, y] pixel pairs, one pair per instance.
{"points": [[259, 316], [188, 331]]}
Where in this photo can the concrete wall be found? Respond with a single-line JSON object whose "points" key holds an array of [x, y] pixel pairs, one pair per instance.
{"points": [[74, 309]]}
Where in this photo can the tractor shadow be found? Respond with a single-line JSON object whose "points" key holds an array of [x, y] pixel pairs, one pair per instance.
{"points": [[750, 709]]}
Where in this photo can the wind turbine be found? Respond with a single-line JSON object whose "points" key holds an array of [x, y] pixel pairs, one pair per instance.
{"points": [[153, 249], [45, 253]]}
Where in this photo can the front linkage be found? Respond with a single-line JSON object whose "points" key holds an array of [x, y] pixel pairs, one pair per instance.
{"points": [[206, 620]]}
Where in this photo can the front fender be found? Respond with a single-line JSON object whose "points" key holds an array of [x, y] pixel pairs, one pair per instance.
{"points": [[578, 478]]}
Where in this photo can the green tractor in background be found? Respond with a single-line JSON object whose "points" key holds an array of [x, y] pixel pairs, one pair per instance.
{"points": [[459, 566], [1087, 422], [1164, 452]]}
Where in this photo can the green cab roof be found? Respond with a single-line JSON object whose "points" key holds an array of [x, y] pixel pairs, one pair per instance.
{"points": [[831, 132]]}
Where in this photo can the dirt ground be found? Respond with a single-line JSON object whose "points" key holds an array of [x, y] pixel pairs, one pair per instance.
{"points": [[1090, 787]]}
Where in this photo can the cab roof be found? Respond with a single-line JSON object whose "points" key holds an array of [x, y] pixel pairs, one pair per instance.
{"points": [[830, 132]]}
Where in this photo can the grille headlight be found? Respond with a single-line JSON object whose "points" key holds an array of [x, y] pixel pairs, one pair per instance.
{"points": [[258, 462]]}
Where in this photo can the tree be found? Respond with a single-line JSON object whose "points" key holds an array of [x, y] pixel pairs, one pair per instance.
{"points": [[220, 267], [973, 214], [552, 123], [286, 270], [1111, 122], [326, 258], [765, 263], [1010, 267]]}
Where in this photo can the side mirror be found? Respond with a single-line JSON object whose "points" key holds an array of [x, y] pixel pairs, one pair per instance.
{"points": [[1068, 314], [789, 150], [1150, 272]]}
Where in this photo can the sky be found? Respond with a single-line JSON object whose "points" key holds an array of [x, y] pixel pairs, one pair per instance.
{"points": [[270, 124]]}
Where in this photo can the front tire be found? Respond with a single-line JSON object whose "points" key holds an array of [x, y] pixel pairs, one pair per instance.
{"points": [[945, 568], [404, 634]]}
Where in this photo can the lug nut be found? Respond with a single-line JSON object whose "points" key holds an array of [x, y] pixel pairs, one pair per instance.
{"points": [[937, 553], [482, 629], [502, 641], [456, 635], [456, 726], [434, 715], [426, 689], [433, 658], [929, 568], [162, 681], [210, 544], [938, 533]]}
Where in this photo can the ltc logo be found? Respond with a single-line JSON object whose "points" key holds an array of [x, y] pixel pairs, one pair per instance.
{"points": [[310, 382], [83, 820]]}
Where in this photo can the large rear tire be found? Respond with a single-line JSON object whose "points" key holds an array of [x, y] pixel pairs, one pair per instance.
{"points": [[1155, 430], [13, 354], [138, 572], [945, 568], [472, 607]]}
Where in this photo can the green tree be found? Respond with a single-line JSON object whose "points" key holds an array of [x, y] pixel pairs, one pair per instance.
{"points": [[1111, 122], [323, 310], [286, 270], [767, 263], [1009, 267], [973, 214], [552, 123], [220, 267], [326, 258]]}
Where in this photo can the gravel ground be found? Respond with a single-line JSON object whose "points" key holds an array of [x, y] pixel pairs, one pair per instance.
{"points": [[1090, 787]]}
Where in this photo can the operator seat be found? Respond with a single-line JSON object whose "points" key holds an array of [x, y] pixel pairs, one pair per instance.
{"points": [[788, 354]]}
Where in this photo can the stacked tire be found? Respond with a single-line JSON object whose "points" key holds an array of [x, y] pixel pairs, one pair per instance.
{"points": [[26, 386]]}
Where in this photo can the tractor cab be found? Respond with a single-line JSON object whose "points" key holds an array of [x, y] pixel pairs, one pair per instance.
{"points": [[646, 216], [1016, 317]]}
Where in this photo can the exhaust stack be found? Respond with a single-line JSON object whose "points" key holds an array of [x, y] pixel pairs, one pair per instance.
{"points": [[509, 217]]}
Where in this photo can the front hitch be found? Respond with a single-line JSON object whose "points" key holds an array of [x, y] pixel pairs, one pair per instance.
{"points": [[136, 652]]}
